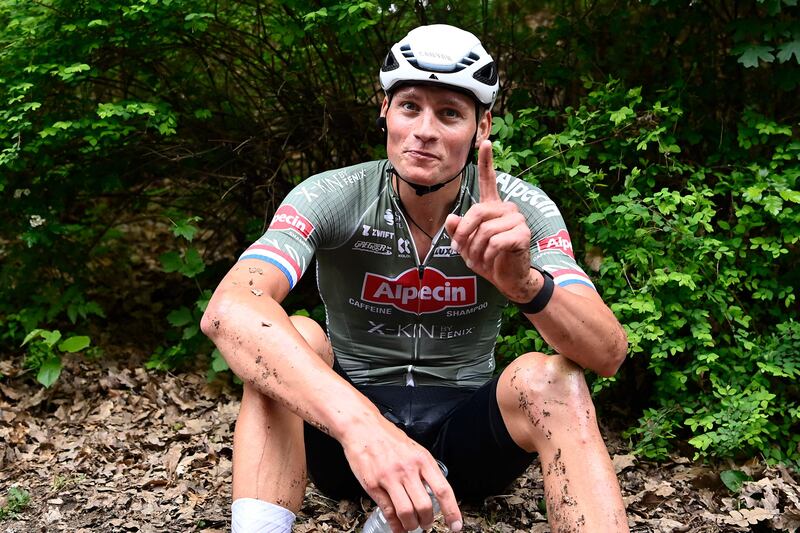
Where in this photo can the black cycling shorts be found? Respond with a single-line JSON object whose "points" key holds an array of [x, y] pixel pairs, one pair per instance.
{"points": [[461, 428]]}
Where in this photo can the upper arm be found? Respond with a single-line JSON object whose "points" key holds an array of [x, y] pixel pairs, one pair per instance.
{"points": [[258, 277]]}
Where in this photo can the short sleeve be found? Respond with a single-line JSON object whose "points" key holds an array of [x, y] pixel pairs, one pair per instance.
{"points": [[551, 245]]}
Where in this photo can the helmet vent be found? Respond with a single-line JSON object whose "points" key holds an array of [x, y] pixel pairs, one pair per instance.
{"points": [[390, 63], [463, 63], [487, 74]]}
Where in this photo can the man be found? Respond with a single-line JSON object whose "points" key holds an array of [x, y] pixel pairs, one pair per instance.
{"points": [[416, 257]]}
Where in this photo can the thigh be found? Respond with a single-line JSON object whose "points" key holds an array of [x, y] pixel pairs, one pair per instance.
{"points": [[474, 444]]}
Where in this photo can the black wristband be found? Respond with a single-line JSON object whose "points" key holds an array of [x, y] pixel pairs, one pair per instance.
{"points": [[542, 297]]}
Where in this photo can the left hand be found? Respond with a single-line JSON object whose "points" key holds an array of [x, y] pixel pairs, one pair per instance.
{"points": [[493, 237]]}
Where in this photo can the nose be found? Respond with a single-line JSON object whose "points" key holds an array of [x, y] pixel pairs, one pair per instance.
{"points": [[426, 126]]}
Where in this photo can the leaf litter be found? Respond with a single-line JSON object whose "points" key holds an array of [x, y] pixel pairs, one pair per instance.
{"points": [[122, 449]]}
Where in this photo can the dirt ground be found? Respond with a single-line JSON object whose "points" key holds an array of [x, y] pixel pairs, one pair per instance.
{"points": [[119, 449]]}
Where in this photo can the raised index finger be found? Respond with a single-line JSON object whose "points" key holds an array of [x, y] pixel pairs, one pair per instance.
{"points": [[487, 178]]}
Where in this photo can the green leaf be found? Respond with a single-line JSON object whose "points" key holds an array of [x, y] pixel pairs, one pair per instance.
{"points": [[753, 193], [185, 229], [787, 50], [193, 263], [733, 479], [30, 336], [171, 261], [49, 371], [191, 331], [752, 54], [620, 115], [773, 205], [77, 67], [51, 337], [180, 317], [594, 217], [74, 344], [218, 363], [193, 16], [791, 196]]}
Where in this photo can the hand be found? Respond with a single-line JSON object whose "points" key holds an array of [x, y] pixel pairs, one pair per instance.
{"points": [[493, 237], [393, 468]]}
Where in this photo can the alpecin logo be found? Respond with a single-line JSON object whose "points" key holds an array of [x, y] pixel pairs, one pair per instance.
{"points": [[287, 217], [431, 294], [559, 241]]}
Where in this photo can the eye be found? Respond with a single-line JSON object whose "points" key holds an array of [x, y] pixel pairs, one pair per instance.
{"points": [[407, 105], [451, 113]]}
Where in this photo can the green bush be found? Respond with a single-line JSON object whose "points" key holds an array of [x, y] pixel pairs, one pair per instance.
{"points": [[145, 143], [697, 259]]}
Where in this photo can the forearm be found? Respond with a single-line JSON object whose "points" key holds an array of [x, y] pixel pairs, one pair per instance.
{"points": [[260, 344], [578, 325]]}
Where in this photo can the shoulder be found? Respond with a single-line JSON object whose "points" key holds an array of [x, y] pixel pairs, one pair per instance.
{"points": [[340, 185], [529, 198]]}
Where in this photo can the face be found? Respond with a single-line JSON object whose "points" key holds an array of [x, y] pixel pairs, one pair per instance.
{"points": [[430, 132]]}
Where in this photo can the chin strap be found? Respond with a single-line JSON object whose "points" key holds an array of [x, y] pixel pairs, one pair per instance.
{"points": [[422, 190]]}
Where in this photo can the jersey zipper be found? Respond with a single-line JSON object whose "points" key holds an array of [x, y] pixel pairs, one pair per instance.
{"points": [[421, 270], [421, 264]]}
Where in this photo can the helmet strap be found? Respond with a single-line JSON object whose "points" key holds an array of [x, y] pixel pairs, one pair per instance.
{"points": [[422, 190]]}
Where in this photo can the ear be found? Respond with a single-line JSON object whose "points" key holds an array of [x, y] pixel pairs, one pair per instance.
{"points": [[380, 122], [384, 106], [484, 128]]}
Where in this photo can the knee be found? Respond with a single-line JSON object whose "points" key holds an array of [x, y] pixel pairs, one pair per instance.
{"points": [[552, 383], [314, 336]]}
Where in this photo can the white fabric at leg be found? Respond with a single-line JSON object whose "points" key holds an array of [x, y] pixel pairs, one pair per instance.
{"points": [[249, 515]]}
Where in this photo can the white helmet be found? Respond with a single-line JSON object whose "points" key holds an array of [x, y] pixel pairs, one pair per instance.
{"points": [[442, 55]]}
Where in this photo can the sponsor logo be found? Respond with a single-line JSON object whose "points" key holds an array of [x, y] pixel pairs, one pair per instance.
{"points": [[468, 311], [388, 216], [516, 188], [329, 184], [431, 294], [373, 247], [370, 308], [417, 330], [403, 246], [287, 217], [559, 241], [435, 55], [369, 231], [444, 251]]}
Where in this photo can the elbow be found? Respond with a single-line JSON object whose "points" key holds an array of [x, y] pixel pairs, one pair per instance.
{"points": [[615, 355], [210, 323], [610, 367]]}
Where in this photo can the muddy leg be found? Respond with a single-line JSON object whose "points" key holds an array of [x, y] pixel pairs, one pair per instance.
{"points": [[546, 407], [269, 461]]}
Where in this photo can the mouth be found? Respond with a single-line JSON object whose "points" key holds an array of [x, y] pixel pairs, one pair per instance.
{"points": [[421, 154]]}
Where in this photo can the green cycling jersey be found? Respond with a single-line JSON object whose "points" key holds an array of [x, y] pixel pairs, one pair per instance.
{"points": [[394, 317]]}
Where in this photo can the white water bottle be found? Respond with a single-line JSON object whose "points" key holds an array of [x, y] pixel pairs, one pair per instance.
{"points": [[376, 523]]}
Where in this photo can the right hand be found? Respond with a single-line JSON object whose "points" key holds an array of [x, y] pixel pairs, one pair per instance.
{"points": [[392, 469]]}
